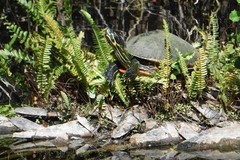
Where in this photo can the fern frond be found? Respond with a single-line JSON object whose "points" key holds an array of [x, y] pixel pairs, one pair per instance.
{"points": [[165, 63], [45, 57], [18, 34], [43, 61], [70, 48], [202, 70], [183, 66], [4, 68], [54, 29], [167, 41], [197, 82], [32, 9], [36, 10], [47, 7], [103, 49], [213, 47], [120, 89], [18, 55], [77, 55]]}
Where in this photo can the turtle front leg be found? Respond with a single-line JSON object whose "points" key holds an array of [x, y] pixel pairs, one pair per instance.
{"points": [[132, 71], [110, 72]]}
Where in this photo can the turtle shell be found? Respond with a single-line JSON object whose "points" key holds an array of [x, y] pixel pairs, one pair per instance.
{"points": [[151, 46]]}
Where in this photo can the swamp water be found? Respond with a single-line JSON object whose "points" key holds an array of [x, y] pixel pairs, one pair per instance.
{"points": [[45, 150]]}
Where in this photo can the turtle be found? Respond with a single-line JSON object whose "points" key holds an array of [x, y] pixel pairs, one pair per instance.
{"points": [[142, 53]]}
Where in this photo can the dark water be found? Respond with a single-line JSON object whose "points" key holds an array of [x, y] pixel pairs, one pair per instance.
{"points": [[63, 152]]}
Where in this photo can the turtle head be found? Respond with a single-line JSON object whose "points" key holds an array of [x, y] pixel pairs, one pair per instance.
{"points": [[120, 51], [113, 38]]}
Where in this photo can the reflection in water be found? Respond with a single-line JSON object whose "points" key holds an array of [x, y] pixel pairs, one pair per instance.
{"points": [[56, 153]]}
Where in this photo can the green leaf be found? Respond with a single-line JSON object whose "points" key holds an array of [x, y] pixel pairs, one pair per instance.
{"points": [[238, 1], [100, 100], [120, 90], [65, 98], [234, 16]]}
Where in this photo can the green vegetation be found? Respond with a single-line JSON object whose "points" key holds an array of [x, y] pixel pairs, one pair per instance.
{"points": [[7, 110], [235, 17], [53, 54], [56, 50]]}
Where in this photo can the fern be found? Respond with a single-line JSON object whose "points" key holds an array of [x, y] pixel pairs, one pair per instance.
{"points": [[183, 67], [198, 78], [226, 75], [103, 49], [219, 65], [77, 55], [47, 7], [49, 37], [212, 47], [55, 42], [165, 63], [190, 80], [4, 68], [36, 9], [43, 61], [67, 12], [18, 55], [71, 54], [196, 82], [18, 34], [192, 84], [54, 29], [201, 71], [120, 90], [30, 8], [208, 53], [54, 75]]}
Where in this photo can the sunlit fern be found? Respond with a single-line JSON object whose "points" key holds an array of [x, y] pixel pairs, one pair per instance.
{"points": [[18, 55], [77, 54], [43, 67], [103, 50], [219, 61], [165, 64], [50, 36], [184, 68], [67, 43], [198, 78], [212, 46], [196, 82], [201, 70]]}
